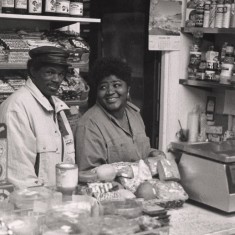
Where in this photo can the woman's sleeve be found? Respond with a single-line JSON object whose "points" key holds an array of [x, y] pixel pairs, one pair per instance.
{"points": [[21, 150], [90, 147]]}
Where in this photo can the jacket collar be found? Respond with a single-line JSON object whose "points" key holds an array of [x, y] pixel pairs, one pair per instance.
{"points": [[59, 104]]}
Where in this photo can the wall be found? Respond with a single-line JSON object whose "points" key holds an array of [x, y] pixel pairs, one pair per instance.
{"points": [[176, 100]]}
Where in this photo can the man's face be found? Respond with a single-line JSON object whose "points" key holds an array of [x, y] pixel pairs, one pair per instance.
{"points": [[48, 78]]}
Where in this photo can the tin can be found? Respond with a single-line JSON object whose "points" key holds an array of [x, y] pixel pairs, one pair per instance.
{"points": [[209, 75], [66, 177]]}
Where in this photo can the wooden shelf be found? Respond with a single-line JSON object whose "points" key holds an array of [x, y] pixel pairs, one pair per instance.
{"points": [[9, 66], [208, 30], [80, 103], [49, 18], [205, 84]]}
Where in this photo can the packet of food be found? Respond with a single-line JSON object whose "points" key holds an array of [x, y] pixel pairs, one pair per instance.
{"points": [[141, 173], [152, 162], [123, 169], [168, 170], [169, 190]]}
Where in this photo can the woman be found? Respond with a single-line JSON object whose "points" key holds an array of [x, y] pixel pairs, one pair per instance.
{"points": [[112, 130]]}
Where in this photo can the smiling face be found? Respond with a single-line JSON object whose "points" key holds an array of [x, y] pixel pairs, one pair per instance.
{"points": [[112, 94], [48, 78]]}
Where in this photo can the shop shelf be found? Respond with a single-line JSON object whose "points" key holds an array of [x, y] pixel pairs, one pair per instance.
{"points": [[49, 18], [9, 66], [208, 30], [205, 84]]}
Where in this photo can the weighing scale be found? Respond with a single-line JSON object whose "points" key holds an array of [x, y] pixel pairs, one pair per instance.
{"points": [[208, 172]]}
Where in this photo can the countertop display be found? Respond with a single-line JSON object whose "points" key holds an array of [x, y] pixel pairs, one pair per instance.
{"points": [[223, 151]]}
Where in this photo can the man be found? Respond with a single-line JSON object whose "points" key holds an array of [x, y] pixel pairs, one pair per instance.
{"points": [[38, 133]]}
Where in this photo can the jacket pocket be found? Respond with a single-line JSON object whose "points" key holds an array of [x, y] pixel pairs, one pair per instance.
{"points": [[47, 151], [45, 144], [121, 151]]}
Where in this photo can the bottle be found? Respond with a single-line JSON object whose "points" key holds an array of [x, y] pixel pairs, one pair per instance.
{"points": [[227, 14], [199, 14], [21, 7], [62, 7], [35, 7], [232, 20], [212, 14], [49, 7], [227, 65], [219, 14], [193, 125], [203, 124], [223, 51], [206, 19], [76, 8], [8, 6]]}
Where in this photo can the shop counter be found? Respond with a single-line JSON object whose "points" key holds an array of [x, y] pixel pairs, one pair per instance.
{"points": [[197, 219]]}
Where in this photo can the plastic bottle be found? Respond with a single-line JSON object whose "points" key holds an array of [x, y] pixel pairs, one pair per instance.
{"points": [[212, 14], [227, 13], [227, 65], [76, 8], [21, 7], [203, 124], [232, 19], [8, 6], [219, 14], [206, 19], [199, 14], [193, 125]]}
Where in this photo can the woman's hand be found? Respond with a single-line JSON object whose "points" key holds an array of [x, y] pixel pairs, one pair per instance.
{"points": [[157, 153]]}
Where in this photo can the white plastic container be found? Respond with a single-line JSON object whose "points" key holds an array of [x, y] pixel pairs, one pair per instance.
{"points": [[193, 126]]}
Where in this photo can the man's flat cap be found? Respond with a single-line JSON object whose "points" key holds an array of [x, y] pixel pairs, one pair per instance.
{"points": [[50, 55]]}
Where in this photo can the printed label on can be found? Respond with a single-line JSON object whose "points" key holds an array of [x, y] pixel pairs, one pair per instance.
{"points": [[62, 6], [35, 6], [209, 75], [50, 6], [226, 70], [195, 57], [21, 4], [76, 8], [8, 3]]}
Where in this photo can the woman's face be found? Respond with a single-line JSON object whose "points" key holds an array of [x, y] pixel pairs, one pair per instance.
{"points": [[48, 78], [112, 94]]}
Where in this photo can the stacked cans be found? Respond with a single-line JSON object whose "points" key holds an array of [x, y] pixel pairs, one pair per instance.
{"points": [[210, 13]]}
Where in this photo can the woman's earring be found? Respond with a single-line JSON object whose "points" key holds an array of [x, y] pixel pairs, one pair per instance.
{"points": [[128, 96]]}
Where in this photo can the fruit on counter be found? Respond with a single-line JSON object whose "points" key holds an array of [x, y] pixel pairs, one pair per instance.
{"points": [[146, 190], [106, 172], [87, 176]]}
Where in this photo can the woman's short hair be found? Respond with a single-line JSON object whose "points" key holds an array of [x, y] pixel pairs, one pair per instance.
{"points": [[107, 66]]}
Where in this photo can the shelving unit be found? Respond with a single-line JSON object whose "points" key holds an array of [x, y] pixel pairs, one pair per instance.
{"points": [[208, 30], [205, 84], [70, 20], [12, 66], [49, 22]]}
